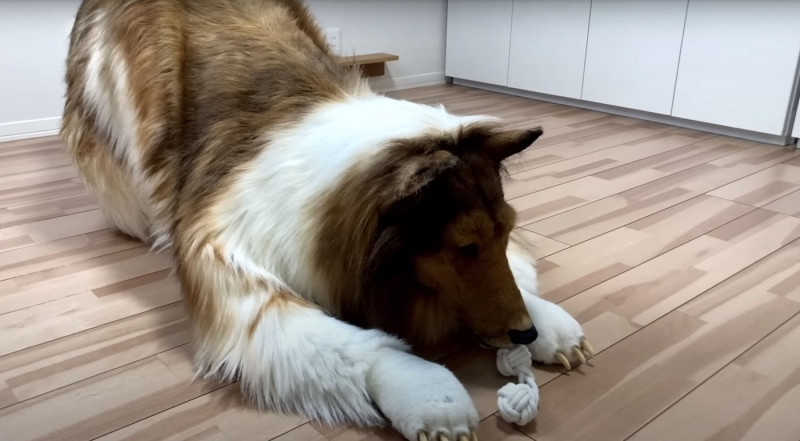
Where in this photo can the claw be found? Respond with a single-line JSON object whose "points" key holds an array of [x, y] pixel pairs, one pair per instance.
{"points": [[587, 347], [463, 438], [577, 351], [563, 360], [422, 437], [474, 436], [444, 438]]}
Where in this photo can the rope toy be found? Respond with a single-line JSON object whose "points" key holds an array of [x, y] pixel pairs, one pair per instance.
{"points": [[518, 403]]}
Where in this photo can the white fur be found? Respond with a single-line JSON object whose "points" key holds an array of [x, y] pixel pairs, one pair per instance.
{"points": [[299, 164], [107, 94], [558, 331], [301, 360], [419, 396], [114, 110]]}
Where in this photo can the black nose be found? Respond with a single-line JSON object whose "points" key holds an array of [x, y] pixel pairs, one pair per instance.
{"points": [[523, 337]]}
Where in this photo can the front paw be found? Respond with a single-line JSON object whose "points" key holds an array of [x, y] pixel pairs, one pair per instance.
{"points": [[423, 400], [561, 339], [439, 418]]}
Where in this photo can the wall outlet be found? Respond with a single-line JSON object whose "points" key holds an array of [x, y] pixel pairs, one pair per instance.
{"points": [[334, 37]]}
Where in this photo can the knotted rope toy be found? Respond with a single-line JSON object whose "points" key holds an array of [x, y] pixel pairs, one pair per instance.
{"points": [[518, 403]]}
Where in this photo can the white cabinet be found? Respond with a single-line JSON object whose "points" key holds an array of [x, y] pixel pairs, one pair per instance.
{"points": [[632, 54], [731, 63], [548, 46], [738, 63], [478, 36]]}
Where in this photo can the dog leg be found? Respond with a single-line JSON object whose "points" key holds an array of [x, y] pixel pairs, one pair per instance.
{"points": [[423, 400], [561, 339], [291, 357]]}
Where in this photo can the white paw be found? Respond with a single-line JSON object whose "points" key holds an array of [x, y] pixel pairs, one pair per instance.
{"points": [[438, 416], [423, 400], [561, 339]]}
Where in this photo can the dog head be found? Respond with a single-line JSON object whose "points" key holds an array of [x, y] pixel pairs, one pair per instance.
{"points": [[446, 221]]}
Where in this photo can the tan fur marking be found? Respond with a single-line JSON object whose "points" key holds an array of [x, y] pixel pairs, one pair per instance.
{"points": [[278, 300]]}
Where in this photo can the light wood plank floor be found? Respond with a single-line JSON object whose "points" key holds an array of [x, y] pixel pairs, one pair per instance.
{"points": [[678, 250]]}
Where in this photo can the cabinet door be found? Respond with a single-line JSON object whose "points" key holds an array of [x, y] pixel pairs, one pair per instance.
{"points": [[632, 53], [478, 35], [548, 46], [738, 63]]}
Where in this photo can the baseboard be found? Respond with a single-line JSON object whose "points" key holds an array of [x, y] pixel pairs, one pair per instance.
{"points": [[765, 138], [31, 135], [390, 84], [29, 129]]}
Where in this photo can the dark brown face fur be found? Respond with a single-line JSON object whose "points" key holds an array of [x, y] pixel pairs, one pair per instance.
{"points": [[434, 255]]}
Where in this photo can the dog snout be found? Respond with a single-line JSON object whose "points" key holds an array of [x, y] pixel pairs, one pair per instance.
{"points": [[525, 337]]}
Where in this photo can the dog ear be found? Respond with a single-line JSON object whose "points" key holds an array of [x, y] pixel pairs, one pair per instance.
{"points": [[501, 145], [416, 172]]}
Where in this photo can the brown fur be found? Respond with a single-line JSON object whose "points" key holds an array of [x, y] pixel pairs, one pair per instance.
{"points": [[402, 220], [206, 77]]}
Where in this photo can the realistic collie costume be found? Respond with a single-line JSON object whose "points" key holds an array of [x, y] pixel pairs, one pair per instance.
{"points": [[316, 226]]}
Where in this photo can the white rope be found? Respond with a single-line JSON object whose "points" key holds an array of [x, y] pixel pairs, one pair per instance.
{"points": [[518, 403]]}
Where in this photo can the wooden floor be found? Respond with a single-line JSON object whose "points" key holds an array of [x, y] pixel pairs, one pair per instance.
{"points": [[677, 250]]}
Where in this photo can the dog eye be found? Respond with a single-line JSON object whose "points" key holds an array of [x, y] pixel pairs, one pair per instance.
{"points": [[470, 250]]}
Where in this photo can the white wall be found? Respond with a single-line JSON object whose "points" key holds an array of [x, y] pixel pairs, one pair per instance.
{"points": [[34, 36], [411, 29], [34, 39]]}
